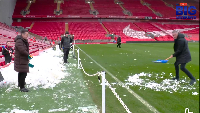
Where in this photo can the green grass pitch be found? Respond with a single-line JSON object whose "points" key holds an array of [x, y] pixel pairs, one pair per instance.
{"points": [[80, 90], [136, 58]]}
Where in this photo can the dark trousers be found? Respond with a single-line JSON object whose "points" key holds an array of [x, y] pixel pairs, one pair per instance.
{"points": [[21, 79], [66, 53], [184, 70], [8, 59], [119, 45], [59, 46], [1, 77]]}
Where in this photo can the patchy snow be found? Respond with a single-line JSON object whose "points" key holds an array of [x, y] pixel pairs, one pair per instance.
{"points": [[24, 111], [47, 72], [195, 93], [56, 110], [159, 82], [88, 109]]}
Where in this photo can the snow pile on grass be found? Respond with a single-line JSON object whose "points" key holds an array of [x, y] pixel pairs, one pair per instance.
{"points": [[24, 111], [157, 82], [47, 71]]}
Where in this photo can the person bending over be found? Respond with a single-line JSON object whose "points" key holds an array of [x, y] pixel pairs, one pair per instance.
{"points": [[182, 54]]}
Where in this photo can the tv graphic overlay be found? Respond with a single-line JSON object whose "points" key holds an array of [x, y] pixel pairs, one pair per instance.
{"points": [[183, 11]]}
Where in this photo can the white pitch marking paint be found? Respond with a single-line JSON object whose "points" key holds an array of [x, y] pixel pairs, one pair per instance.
{"points": [[150, 107]]}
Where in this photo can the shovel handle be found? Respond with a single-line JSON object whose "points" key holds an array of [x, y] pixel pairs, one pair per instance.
{"points": [[167, 59]]}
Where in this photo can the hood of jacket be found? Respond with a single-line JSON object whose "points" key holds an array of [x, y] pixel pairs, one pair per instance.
{"points": [[17, 37], [180, 35], [20, 37]]}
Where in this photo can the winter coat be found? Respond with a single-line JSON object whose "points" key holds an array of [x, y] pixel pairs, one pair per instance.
{"points": [[65, 42], [118, 40], [182, 52], [1, 77], [6, 53], [21, 60]]}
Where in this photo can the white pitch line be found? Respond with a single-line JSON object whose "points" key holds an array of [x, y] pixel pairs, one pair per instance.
{"points": [[150, 107]]}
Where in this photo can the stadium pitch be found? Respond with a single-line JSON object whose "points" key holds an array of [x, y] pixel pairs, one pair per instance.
{"points": [[132, 65], [142, 85]]}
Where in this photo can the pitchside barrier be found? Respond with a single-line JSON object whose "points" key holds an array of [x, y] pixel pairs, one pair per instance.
{"points": [[103, 80]]}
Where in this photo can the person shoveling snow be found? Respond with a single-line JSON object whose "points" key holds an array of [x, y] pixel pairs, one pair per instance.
{"points": [[182, 54]]}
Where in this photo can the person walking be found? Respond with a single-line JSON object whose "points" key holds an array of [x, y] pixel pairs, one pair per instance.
{"points": [[119, 42], [65, 45]]}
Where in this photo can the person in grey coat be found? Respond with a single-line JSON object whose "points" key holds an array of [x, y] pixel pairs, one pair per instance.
{"points": [[182, 54], [65, 45]]}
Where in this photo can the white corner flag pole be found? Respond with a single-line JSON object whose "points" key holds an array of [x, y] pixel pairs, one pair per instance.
{"points": [[103, 92]]}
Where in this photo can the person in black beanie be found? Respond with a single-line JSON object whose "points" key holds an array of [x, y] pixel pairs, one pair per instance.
{"points": [[65, 45]]}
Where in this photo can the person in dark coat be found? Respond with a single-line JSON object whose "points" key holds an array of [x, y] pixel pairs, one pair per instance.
{"points": [[65, 45], [182, 54], [8, 52], [21, 60], [1, 77], [119, 42]]}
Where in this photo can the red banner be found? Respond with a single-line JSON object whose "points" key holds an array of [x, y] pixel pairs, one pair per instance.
{"points": [[183, 4]]}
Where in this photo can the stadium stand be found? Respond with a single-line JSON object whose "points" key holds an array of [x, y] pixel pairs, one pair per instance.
{"points": [[187, 29], [158, 33], [137, 9], [75, 7], [108, 7], [87, 31], [51, 30], [43, 7], [117, 29], [161, 8], [8, 34], [22, 24], [95, 31], [20, 5]]}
